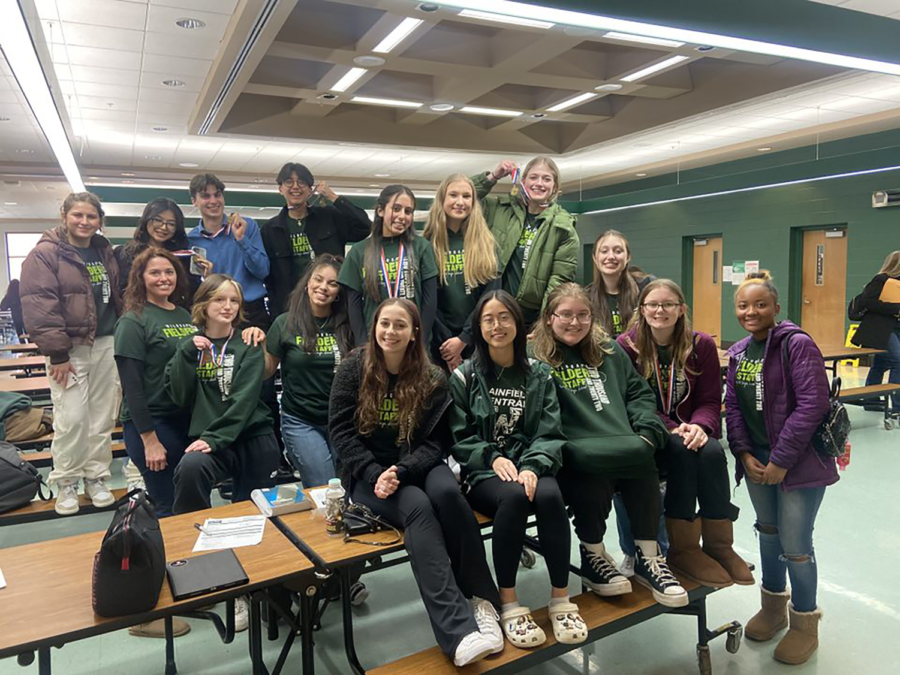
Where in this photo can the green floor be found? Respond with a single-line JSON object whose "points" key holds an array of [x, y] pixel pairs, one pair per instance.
{"points": [[856, 543]]}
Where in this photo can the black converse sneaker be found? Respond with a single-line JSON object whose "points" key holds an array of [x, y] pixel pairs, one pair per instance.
{"points": [[599, 573], [653, 572]]}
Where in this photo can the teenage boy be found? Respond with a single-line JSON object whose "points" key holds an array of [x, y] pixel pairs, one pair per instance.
{"points": [[301, 232], [233, 244]]}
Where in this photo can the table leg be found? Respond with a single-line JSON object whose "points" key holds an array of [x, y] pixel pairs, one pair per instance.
{"points": [[171, 669], [307, 613], [347, 612], [255, 637], [44, 661]]}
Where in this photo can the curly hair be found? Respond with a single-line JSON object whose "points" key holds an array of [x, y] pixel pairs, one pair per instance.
{"points": [[300, 319], [416, 381], [593, 347], [136, 290]]}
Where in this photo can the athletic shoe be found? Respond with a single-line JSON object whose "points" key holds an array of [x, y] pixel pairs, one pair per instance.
{"points": [[67, 498], [488, 621], [473, 647], [358, 594], [627, 566], [241, 613], [653, 572], [137, 484], [599, 573], [101, 496]]}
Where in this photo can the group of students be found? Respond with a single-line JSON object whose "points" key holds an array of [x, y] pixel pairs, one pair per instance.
{"points": [[560, 399]]}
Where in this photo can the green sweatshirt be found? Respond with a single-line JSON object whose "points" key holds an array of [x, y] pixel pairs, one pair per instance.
{"points": [[534, 441], [224, 400], [605, 411]]}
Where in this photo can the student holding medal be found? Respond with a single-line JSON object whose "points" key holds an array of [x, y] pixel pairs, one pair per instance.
{"points": [[466, 257], [393, 262], [536, 238], [682, 367]]}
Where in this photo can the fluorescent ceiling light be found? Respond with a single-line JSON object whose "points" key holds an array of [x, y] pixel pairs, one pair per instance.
{"points": [[349, 79], [608, 23], [502, 18], [645, 40], [655, 68], [396, 103], [575, 100], [396, 36], [497, 112], [17, 47]]}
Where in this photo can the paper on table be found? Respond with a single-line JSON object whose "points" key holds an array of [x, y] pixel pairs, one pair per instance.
{"points": [[318, 496], [221, 533], [2, 580]]}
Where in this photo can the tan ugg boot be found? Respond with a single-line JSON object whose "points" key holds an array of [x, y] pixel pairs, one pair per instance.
{"points": [[802, 639], [771, 618], [686, 558], [718, 539]]}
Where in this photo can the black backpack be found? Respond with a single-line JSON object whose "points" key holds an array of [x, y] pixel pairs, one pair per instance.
{"points": [[19, 480], [130, 567]]}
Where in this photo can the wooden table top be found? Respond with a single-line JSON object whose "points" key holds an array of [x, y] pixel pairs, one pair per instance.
{"points": [[24, 347], [22, 362], [48, 595], [25, 385], [829, 353]]}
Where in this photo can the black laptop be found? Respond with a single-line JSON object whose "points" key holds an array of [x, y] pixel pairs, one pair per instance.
{"points": [[190, 577]]}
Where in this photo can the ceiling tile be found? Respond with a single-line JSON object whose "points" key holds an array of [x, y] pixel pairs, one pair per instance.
{"points": [[162, 19], [220, 6], [165, 45], [85, 35], [110, 13], [113, 76], [157, 63], [103, 103], [100, 58]]}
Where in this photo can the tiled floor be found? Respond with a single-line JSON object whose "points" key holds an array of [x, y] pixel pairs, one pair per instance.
{"points": [[857, 542]]}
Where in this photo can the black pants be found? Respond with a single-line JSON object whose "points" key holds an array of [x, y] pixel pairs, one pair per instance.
{"points": [[590, 498], [507, 504], [172, 432], [250, 462], [410, 509], [697, 476]]}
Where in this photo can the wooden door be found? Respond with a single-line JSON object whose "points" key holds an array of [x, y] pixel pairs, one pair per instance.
{"points": [[824, 286], [706, 305]]}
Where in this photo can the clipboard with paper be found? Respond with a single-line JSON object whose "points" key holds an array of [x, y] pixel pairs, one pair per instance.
{"points": [[891, 291]]}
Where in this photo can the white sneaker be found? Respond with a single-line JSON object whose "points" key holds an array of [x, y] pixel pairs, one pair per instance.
{"points": [[101, 496], [67, 498], [136, 484], [241, 613], [358, 594], [473, 647], [488, 621], [627, 566]]}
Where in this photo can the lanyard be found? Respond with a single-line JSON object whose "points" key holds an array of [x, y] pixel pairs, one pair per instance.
{"points": [[670, 394], [220, 359], [395, 292]]}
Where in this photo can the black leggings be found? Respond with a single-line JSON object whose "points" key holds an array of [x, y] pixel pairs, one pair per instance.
{"points": [[590, 498], [697, 476], [507, 504]]}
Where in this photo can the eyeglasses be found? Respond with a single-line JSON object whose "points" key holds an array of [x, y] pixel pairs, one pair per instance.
{"points": [[163, 224], [667, 306], [504, 320], [294, 184], [568, 317]]}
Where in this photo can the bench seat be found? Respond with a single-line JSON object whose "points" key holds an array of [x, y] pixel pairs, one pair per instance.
{"points": [[39, 510]]}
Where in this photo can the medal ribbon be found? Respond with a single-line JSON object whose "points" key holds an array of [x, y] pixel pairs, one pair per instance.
{"points": [[395, 291], [670, 394]]}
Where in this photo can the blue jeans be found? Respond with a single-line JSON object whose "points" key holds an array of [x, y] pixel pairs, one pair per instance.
{"points": [[308, 450], [626, 540], [172, 432], [891, 362], [784, 523]]}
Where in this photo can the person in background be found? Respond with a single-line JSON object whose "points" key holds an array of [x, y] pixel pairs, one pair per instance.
{"points": [[507, 439], [232, 244], [162, 225], [387, 422], [466, 257], [776, 396], [393, 262], [536, 238], [880, 326], [70, 303], [682, 367], [12, 303], [615, 289], [613, 433], [300, 233]]}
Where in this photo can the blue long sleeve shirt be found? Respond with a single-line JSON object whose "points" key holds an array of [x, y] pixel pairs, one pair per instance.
{"points": [[245, 260]]}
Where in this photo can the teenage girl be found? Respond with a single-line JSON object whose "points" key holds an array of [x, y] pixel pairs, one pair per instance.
{"points": [[536, 238], [466, 257], [682, 367], [393, 262], [775, 398], [615, 290], [387, 424], [613, 433], [507, 437]]}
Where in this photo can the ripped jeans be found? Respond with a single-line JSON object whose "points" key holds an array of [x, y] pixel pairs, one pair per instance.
{"points": [[784, 524]]}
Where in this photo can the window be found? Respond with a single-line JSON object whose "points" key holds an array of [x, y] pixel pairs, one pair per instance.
{"points": [[18, 246]]}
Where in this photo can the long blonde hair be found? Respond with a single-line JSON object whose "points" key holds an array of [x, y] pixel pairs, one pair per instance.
{"points": [[628, 288], [593, 347], [891, 265], [682, 337], [481, 250]]}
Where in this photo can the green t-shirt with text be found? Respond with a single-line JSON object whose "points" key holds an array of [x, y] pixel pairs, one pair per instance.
{"points": [[102, 290], [618, 326], [582, 395], [301, 250], [306, 377], [455, 299], [152, 337], [512, 276], [384, 439], [507, 391], [748, 382]]}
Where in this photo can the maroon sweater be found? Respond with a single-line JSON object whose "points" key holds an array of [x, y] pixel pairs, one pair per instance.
{"points": [[702, 404]]}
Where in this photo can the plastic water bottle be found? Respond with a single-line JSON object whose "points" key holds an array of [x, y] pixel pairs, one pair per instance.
{"points": [[334, 508]]}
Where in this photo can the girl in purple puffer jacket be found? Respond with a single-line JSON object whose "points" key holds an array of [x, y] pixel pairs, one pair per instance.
{"points": [[772, 409]]}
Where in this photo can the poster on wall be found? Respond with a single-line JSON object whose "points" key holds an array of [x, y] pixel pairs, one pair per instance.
{"points": [[738, 273], [726, 274], [751, 266]]}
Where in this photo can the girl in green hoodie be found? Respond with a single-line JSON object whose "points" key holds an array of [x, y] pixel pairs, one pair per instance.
{"points": [[609, 415]]}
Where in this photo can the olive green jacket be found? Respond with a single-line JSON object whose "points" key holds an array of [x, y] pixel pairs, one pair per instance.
{"points": [[554, 258]]}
